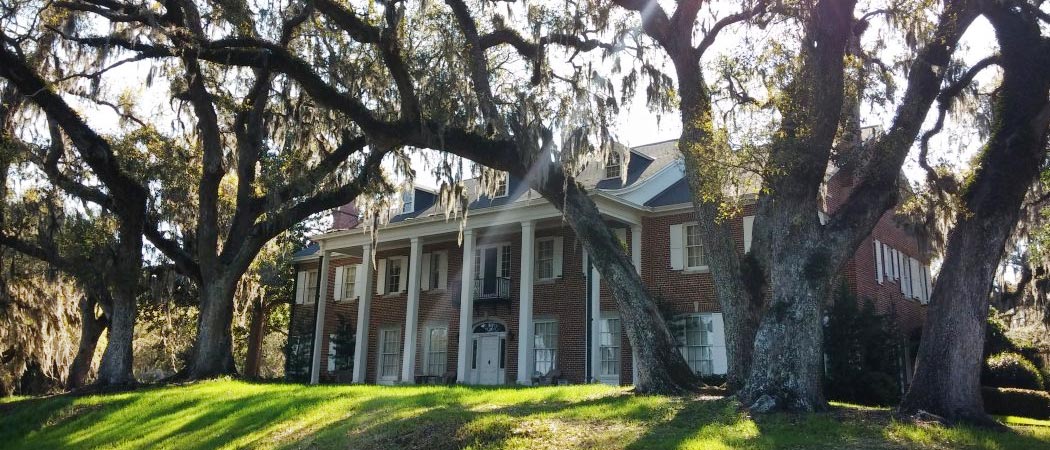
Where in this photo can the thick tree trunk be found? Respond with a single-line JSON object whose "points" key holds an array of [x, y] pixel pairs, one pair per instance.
{"points": [[91, 330], [213, 348], [787, 367], [116, 366], [661, 367], [948, 365], [256, 333], [738, 281]]}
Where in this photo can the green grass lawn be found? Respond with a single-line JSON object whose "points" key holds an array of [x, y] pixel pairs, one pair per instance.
{"points": [[236, 414]]}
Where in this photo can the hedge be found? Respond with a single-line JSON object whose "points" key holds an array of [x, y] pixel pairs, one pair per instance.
{"points": [[1016, 402], [1011, 370]]}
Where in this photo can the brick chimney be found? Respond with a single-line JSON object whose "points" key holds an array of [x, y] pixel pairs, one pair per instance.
{"points": [[345, 217]]}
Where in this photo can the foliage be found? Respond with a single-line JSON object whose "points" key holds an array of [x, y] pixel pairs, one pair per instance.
{"points": [[37, 339], [863, 353], [1011, 370], [344, 341], [1016, 402], [298, 351], [234, 414]]}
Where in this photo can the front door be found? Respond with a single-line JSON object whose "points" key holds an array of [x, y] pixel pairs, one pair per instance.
{"points": [[488, 359], [488, 285]]}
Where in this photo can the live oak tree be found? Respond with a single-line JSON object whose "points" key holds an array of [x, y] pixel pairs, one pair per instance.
{"points": [[210, 237], [402, 81], [949, 361], [795, 256]]}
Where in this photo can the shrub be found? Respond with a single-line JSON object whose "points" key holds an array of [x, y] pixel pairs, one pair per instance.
{"points": [[1011, 370], [1016, 402], [863, 353]]}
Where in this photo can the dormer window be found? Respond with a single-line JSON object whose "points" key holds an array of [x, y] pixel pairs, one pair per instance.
{"points": [[501, 186], [408, 201], [613, 166]]}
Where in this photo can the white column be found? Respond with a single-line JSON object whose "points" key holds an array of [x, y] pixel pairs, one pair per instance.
{"points": [[315, 361], [596, 314], [636, 257], [525, 344], [466, 307], [408, 356], [364, 310]]}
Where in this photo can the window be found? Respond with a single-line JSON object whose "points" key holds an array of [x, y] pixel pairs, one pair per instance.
{"points": [[545, 345], [311, 286], [609, 346], [349, 281], [696, 343], [389, 341], [613, 166], [435, 271], [408, 201], [437, 351], [545, 259], [501, 186], [393, 275], [503, 259], [694, 248], [504, 266]]}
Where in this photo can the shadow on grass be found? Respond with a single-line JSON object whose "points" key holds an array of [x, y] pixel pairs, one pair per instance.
{"points": [[226, 414]]}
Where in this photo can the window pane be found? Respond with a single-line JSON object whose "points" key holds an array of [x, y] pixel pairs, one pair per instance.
{"points": [[545, 343], [505, 266]]}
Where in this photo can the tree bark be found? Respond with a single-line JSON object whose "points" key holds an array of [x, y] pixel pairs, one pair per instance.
{"points": [[738, 281], [256, 333], [948, 364], [213, 348], [91, 330], [116, 367], [661, 367]]}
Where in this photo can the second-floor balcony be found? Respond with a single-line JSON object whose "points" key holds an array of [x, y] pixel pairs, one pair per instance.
{"points": [[492, 288]]}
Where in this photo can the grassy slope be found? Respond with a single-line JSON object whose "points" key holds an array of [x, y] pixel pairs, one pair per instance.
{"points": [[234, 414]]}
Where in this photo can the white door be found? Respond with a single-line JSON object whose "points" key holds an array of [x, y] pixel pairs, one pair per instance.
{"points": [[488, 360]]}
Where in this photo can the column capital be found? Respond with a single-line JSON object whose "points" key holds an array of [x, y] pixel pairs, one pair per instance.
{"points": [[528, 223]]}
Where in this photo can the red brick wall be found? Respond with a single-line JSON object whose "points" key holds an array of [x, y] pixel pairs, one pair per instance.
{"points": [[860, 272], [565, 299]]}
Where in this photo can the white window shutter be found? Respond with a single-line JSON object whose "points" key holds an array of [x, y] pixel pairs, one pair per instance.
{"points": [[300, 287], [424, 278], [677, 257], [402, 281], [916, 280], [381, 277], [719, 360], [359, 285], [558, 245], [929, 282], [878, 261], [443, 271], [749, 230], [339, 273]]}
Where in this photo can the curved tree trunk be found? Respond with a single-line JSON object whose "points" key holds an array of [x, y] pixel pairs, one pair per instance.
{"points": [[948, 365], [91, 330], [661, 367], [738, 281], [213, 348], [256, 333], [116, 366]]}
